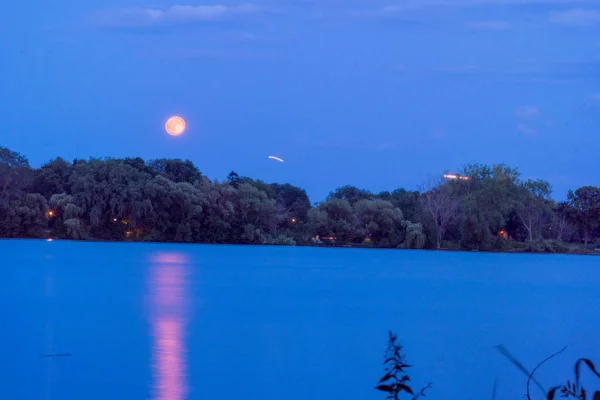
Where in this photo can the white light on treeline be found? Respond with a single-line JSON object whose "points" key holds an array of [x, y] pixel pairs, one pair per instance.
{"points": [[454, 176]]}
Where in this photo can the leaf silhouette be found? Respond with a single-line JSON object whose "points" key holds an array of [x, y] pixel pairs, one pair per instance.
{"points": [[386, 377], [385, 388], [405, 388], [591, 366], [551, 392]]}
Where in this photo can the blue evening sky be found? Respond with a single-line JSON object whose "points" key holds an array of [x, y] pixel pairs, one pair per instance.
{"points": [[376, 93]]}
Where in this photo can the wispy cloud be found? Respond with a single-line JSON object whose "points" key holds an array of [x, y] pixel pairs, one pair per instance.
{"points": [[148, 17], [529, 120], [194, 54], [568, 12], [488, 25], [576, 17], [439, 133], [243, 36], [594, 100], [412, 5], [516, 71], [467, 69], [528, 112], [527, 130], [565, 72], [401, 67]]}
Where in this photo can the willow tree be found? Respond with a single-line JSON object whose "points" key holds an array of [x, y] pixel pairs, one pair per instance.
{"points": [[382, 222]]}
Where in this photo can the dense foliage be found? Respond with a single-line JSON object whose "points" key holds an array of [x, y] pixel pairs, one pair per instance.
{"points": [[170, 200]]}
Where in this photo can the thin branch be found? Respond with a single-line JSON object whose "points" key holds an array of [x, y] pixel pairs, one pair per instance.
{"points": [[539, 365], [516, 362]]}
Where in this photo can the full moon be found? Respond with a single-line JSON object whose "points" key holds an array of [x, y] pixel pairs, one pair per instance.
{"points": [[175, 126]]}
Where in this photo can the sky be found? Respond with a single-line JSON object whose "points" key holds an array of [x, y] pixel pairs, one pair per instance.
{"points": [[380, 94]]}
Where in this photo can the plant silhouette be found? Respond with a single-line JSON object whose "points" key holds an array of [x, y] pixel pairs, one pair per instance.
{"points": [[395, 380], [570, 390], [574, 389]]}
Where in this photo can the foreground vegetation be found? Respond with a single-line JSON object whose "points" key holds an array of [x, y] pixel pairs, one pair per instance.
{"points": [[492, 208], [395, 380]]}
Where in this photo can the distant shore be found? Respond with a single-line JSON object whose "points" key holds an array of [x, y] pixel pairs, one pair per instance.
{"points": [[480, 207], [571, 250]]}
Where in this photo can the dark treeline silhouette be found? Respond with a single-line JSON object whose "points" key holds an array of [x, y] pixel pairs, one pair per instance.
{"points": [[170, 200]]}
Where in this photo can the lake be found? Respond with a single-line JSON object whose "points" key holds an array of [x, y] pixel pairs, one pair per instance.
{"points": [[174, 321]]}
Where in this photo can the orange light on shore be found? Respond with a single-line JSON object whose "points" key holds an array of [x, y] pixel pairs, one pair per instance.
{"points": [[50, 213], [175, 126]]}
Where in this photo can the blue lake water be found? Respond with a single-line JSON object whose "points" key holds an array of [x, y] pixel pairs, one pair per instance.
{"points": [[174, 322]]}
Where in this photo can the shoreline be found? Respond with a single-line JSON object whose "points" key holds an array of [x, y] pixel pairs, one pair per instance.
{"points": [[595, 252]]}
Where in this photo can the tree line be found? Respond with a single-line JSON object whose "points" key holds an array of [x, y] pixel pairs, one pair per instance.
{"points": [[491, 208]]}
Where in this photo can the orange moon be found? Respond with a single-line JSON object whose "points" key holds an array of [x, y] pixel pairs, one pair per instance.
{"points": [[175, 126]]}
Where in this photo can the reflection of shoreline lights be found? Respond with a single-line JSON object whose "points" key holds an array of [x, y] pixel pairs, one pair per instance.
{"points": [[170, 367], [454, 176], [50, 349], [168, 321]]}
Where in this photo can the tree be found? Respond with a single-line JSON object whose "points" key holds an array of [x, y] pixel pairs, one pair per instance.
{"points": [[260, 185], [176, 210], [111, 195], [486, 204], [563, 213], [441, 206], [532, 201], [351, 194], [382, 222], [66, 221], [234, 179], [256, 215], [292, 199], [415, 238], [15, 174], [336, 218], [219, 213], [12, 159], [176, 170], [586, 203], [170, 200], [52, 178], [407, 201]]}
